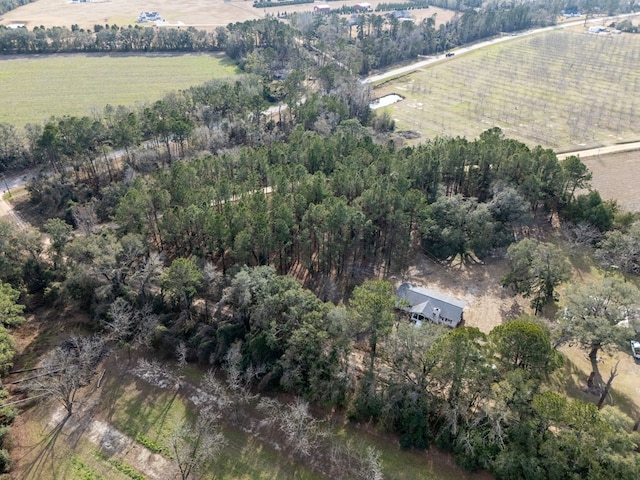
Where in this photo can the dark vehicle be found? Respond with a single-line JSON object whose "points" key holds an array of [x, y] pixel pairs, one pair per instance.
{"points": [[450, 54]]}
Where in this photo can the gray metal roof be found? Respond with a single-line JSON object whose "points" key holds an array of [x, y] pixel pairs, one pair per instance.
{"points": [[427, 302]]}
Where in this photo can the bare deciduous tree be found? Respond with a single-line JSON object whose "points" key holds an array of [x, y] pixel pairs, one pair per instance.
{"points": [[131, 327], [607, 388], [67, 368], [301, 431], [347, 460], [235, 393], [195, 445]]}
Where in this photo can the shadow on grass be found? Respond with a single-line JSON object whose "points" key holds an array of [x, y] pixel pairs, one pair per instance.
{"points": [[45, 448], [571, 380], [114, 384], [160, 420]]}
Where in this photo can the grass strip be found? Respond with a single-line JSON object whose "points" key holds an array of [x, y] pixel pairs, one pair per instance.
{"points": [[84, 471], [120, 466]]}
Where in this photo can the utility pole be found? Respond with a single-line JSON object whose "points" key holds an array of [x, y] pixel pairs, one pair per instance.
{"points": [[5, 183]]}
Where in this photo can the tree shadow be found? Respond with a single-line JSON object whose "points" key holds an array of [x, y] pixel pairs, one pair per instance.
{"points": [[512, 312], [46, 452], [163, 415], [569, 379]]}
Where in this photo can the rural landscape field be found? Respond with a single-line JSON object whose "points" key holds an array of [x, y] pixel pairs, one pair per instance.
{"points": [[85, 84], [566, 90], [192, 288], [196, 13]]}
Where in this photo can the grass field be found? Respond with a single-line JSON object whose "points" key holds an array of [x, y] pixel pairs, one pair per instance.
{"points": [[91, 443], [36, 88], [564, 89]]}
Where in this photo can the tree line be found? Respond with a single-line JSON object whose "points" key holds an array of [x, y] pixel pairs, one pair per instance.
{"points": [[8, 5], [378, 41], [106, 38]]}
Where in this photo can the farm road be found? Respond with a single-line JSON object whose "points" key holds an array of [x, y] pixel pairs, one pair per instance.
{"points": [[596, 152]]}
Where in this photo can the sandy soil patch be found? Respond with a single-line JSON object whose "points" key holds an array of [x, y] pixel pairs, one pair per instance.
{"points": [[112, 442], [488, 303]]}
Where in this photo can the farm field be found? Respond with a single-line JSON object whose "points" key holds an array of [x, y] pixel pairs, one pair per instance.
{"points": [[615, 177], [197, 13], [565, 89], [36, 88]]}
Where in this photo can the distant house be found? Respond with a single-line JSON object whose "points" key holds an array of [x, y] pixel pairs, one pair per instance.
{"points": [[597, 29], [149, 17], [400, 14], [362, 7], [321, 8], [426, 305]]}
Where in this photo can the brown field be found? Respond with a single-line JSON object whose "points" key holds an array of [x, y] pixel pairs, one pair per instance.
{"points": [[615, 176], [196, 13]]}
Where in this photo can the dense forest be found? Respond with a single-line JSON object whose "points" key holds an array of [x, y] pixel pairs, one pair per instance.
{"points": [[200, 249], [206, 229]]}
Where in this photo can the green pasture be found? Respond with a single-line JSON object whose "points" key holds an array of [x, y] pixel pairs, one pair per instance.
{"points": [[565, 89], [150, 415], [38, 87]]}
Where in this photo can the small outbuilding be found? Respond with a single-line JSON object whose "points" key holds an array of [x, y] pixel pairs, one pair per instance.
{"points": [[321, 8], [426, 305]]}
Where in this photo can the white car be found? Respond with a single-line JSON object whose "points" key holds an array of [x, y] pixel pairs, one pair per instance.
{"points": [[635, 349]]}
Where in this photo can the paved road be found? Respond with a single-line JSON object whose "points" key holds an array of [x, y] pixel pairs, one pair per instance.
{"points": [[430, 61]]}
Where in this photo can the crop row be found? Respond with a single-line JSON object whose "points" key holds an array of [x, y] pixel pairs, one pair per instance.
{"points": [[559, 89]]}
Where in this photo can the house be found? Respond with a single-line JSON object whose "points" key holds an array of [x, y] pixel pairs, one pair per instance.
{"points": [[401, 14], [321, 8], [362, 7], [597, 30], [149, 17], [425, 304]]}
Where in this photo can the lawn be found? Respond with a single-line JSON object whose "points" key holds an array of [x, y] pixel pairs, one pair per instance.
{"points": [[36, 88], [125, 426], [564, 89]]}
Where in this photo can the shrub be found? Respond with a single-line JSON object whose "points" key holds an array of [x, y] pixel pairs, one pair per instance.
{"points": [[5, 461]]}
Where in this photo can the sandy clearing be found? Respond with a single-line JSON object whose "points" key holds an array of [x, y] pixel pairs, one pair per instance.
{"points": [[488, 303]]}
